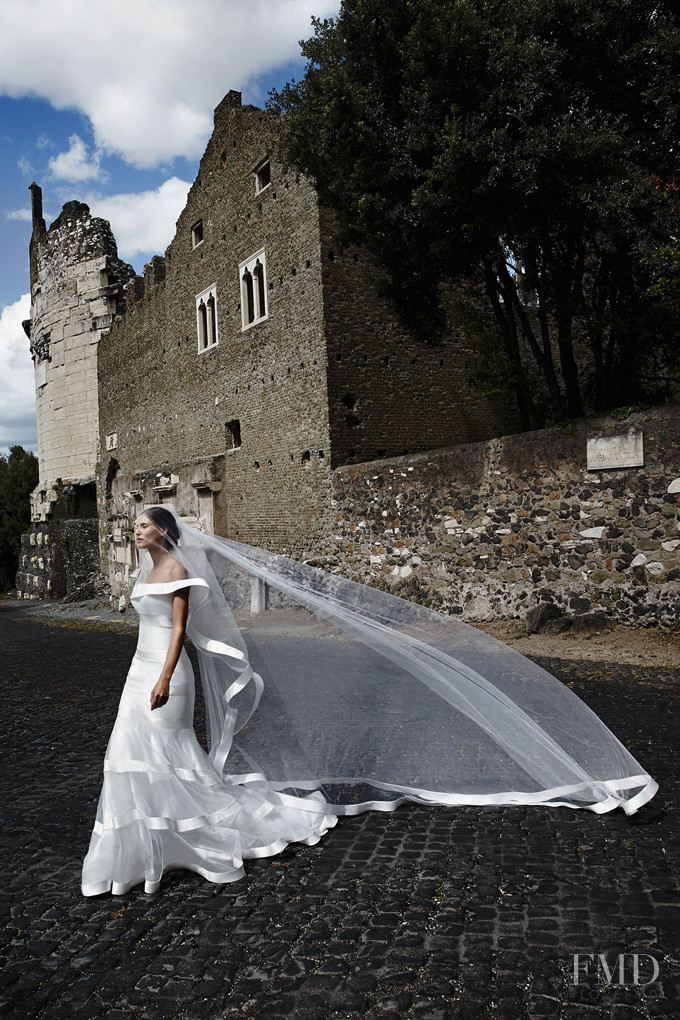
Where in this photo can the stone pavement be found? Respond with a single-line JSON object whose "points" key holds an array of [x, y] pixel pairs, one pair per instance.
{"points": [[424, 914]]}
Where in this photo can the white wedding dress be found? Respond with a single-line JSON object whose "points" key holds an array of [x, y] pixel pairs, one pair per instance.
{"points": [[362, 700], [163, 806]]}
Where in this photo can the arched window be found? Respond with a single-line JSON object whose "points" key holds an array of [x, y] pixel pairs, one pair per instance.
{"points": [[206, 318], [247, 297], [202, 326], [258, 282], [211, 322], [253, 275]]}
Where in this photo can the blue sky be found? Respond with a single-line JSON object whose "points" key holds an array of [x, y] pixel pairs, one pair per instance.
{"points": [[119, 120]]}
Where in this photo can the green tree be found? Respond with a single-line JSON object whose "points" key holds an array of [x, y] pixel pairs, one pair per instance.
{"points": [[517, 143], [18, 478]]}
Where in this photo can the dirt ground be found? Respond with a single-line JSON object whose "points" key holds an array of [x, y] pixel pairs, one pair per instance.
{"points": [[640, 646]]}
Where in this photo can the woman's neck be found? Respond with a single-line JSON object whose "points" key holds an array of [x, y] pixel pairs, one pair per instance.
{"points": [[160, 557]]}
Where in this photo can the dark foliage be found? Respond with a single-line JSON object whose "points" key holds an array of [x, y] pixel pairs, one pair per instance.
{"points": [[526, 145], [18, 478]]}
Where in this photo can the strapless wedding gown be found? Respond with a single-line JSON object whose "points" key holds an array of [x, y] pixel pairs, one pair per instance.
{"points": [[163, 806]]}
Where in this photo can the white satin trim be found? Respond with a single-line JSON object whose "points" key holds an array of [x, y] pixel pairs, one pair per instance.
{"points": [[609, 791], [165, 587], [165, 822]]}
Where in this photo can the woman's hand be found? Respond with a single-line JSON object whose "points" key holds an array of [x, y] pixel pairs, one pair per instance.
{"points": [[160, 693]]}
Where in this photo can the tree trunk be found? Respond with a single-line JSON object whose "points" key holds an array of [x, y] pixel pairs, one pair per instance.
{"points": [[525, 402]]}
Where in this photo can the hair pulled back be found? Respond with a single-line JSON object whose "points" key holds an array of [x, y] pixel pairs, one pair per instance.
{"points": [[165, 522]]}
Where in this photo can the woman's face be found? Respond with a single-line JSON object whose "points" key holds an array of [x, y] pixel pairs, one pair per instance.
{"points": [[147, 534]]}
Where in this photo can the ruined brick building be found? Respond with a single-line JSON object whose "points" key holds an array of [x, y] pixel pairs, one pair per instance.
{"points": [[230, 380]]}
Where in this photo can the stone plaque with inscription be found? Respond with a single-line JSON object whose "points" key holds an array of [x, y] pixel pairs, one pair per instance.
{"points": [[607, 452]]}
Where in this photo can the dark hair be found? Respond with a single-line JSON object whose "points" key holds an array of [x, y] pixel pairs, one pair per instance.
{"points": [[164, 521]]}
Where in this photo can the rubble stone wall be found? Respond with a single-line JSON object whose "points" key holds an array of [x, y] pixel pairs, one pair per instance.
{"points": [[59, 559], [497, 530]]}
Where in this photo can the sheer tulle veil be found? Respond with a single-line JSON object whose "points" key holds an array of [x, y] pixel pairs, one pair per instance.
{"points": [[370, 699]]}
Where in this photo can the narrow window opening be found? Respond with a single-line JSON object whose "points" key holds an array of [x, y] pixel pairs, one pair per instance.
{"points": [[202, 327], [233, 434], [212, 322], [258, 280], [263, 176], [306, 456], [248, 299], [197, 233]]}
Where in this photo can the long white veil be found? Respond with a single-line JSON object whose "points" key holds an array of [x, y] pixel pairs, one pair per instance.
{"points": [[372, 699]]}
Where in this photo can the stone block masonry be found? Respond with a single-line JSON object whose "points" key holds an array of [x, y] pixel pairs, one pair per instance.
{"points": [[77, 286], [501, 529], [244, 401]]}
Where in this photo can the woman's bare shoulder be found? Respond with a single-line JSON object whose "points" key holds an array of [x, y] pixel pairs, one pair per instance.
{"points": [[169, 573], [176, 572]]}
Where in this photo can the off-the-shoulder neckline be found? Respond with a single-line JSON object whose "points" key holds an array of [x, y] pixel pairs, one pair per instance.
{"points": [[183, 583]]}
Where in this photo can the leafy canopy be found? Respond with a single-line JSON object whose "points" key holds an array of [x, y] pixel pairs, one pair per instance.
{"points": [[517, 143], [18, 478]]}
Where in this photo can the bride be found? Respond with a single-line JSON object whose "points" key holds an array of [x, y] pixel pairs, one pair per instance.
{"points": [[367, 700]]}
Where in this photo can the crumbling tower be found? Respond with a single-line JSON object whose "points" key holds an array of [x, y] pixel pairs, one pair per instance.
{"points": [[77, 288]]}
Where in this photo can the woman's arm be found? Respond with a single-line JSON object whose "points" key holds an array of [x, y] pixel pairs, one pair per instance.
{"points": [[180, 611]]}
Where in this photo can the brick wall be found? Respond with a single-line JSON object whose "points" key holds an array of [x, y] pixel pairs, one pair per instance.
{"points": [[328, 376], [390, 393], [494, 530], [169, 405]]}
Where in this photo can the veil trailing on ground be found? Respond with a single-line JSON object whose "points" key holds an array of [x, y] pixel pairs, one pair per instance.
{"points": [[336, 687]]}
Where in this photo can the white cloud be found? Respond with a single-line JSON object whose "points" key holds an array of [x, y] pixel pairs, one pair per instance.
{"points": [[25, 166], [43, 141], [149, 93], [17, 407], [143, 221], [75, 164], [20, 214]]}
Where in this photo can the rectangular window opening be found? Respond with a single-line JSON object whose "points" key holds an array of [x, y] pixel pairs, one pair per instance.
{"points": [[197, 233], [263, 176], [233, 436]]}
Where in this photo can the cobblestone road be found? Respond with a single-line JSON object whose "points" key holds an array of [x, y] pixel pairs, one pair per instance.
{"points": [[421, 914]]}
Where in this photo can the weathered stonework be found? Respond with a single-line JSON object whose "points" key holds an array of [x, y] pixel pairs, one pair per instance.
{"points": [[60, 556], [59, 559], [500, 529], [247, 430], [302, 431], [77, 286]]}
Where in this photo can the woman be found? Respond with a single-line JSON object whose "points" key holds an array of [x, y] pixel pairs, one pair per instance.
{"points": [[369, 700]]}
